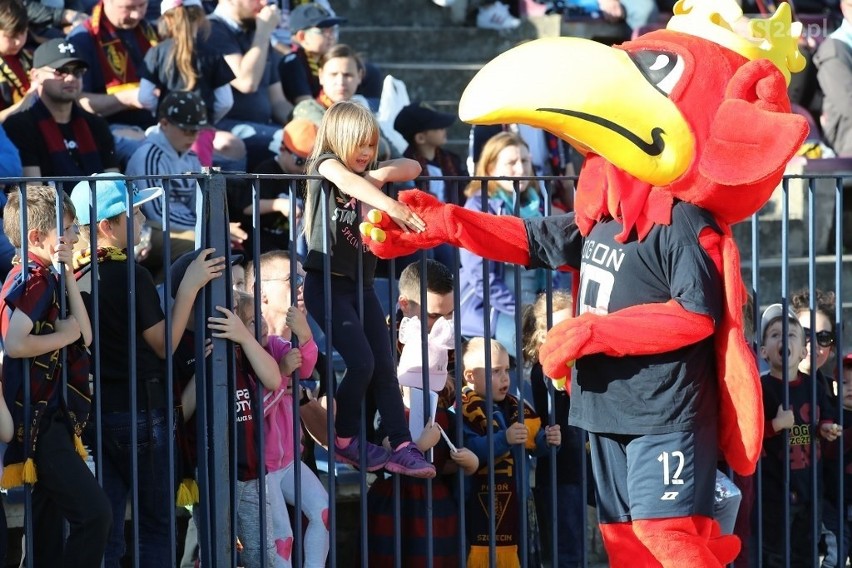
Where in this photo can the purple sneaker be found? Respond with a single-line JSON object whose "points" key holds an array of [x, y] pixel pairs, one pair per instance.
{"points": [[377, 456], [410, 461]]}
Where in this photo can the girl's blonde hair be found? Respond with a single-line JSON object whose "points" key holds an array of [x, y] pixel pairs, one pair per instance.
{"points": [[534, 324], [488, 157], [177, 23], [345, 126]]}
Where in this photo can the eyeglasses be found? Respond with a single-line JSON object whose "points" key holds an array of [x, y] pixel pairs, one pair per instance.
{"points": [[299, 280], [76, 70], [824, 338]]}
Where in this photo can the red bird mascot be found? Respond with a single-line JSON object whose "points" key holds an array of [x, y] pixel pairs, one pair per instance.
{"points": [[685, 131]]}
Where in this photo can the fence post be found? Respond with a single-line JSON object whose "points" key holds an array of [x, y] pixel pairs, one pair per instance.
{"points": [[215, 453]]}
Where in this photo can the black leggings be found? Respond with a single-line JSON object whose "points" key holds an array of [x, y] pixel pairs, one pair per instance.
{"points": [[366, 350]]}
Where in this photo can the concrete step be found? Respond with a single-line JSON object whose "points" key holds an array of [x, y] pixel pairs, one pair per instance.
{"points": [[421, 13], [401, 44]]}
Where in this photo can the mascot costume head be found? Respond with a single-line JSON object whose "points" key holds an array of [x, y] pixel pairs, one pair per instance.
{"points": [[694, 115]]}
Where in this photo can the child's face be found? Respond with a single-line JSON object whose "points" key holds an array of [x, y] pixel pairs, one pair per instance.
{"points": [[362, 157], [847, 388], [238, 277], [50, 240], [499, 376], [119, 229], [823, 324], [780, 351], [435, 138], [11, 44], [248, 320], [340, 78]]}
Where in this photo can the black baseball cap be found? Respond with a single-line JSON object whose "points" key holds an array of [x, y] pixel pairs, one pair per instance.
{"points": [[416, 118], [184, 109], [312, 15], [56, 53]]}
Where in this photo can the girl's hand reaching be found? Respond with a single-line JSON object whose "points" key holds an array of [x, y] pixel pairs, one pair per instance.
{"points": [[430, 436], [291, 361], [466, 460], [407, 219]]}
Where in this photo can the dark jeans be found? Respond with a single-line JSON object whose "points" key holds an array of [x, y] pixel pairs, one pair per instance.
{"points": [[798, 531], [152, 475], [570, 519], [66, 490], [366, 351]]}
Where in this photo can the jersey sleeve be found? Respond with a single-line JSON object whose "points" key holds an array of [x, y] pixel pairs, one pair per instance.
{"points": [[554, 241]]}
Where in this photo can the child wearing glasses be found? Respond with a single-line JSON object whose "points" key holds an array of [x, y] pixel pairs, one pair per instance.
{"points": [[783, 347], [291, 146], [345, 155]]}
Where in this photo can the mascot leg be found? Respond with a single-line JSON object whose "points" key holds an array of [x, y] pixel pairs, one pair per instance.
{"points": [[687, 541], [624, 548]]}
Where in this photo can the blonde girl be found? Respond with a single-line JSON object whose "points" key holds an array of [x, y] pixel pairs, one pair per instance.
{"points": [[345, 156]]}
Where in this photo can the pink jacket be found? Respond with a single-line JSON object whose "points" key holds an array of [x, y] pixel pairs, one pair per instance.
{"points": [[279, 448]]}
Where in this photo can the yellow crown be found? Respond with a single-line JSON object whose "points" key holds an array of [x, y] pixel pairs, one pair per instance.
{"points": [[775, 38]]}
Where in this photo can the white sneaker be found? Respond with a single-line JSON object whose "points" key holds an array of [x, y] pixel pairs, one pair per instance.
{"points": [[444, 3], [496, 16]]}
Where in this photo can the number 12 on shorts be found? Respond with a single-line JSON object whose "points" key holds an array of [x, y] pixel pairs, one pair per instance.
{"points": [[668, 459]]}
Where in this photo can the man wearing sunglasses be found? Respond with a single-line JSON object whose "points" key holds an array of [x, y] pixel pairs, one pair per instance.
{"points": [[292, 146], [55, 136]]}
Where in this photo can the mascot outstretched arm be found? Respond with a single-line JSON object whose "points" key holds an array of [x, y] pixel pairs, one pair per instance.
{"points": [[686, 131]]}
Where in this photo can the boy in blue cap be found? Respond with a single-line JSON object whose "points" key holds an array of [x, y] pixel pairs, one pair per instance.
{"points": [[113, 304]]}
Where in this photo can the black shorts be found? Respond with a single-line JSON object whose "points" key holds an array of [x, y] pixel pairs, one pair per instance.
{"points": [[655, 476]]}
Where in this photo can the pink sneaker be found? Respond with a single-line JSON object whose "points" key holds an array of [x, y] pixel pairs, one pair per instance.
{"points": [[377, 456], [410, 461]]}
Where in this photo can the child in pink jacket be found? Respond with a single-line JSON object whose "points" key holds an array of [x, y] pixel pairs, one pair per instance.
{"points": [[279, 445]]}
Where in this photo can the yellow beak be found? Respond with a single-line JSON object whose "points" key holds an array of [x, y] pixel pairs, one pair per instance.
{"points": [[592, 96]]}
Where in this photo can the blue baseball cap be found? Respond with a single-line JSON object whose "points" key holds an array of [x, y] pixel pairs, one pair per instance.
{"points": [[111, 191]]}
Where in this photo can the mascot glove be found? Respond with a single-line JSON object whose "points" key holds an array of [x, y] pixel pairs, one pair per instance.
{"points": [[565, 343], [386, 239]]}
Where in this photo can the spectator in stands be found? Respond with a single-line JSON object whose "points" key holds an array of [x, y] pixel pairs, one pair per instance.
{"points": [[240, 32], [185, 61], [425, 130], [55, 136], [505, 154], [113, 42], [152, 415], [10, 167], [635, 13], [503, 420], [50, 20], [276, 289], [824, 331], [314, 32], [296, 143], [15, 60], [340, 72], [167, 151], [34, 332], [834, 63]]}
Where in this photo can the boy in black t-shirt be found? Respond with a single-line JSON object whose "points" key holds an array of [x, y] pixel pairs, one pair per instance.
{"points": [[784, 353], [113, 306]]}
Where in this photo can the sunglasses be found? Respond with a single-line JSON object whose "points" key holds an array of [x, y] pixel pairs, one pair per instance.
{"points": [[76, 70], [824, 338]]}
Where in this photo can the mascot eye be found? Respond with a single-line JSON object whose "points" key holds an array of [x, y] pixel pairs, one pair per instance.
{"points": [[662, 69]]}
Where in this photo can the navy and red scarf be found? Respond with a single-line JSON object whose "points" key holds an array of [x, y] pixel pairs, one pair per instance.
{"points": [[88, 158], [119, 71], [15, 70]]}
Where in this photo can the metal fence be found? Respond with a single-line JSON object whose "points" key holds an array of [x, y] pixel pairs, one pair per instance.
{"points": [[796, 242]]}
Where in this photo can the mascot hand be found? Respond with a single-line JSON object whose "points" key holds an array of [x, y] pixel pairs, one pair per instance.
{"points": [[387, 240], [564, 345]]}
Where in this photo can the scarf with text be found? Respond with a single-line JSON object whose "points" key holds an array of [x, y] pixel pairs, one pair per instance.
{"points": [[62, 156], [119, 71], [45, 374], [506, 495], [15, 71]]}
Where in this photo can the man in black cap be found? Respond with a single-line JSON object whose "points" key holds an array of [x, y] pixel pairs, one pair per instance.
{"points": [[314, 32], [56, 137]]}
